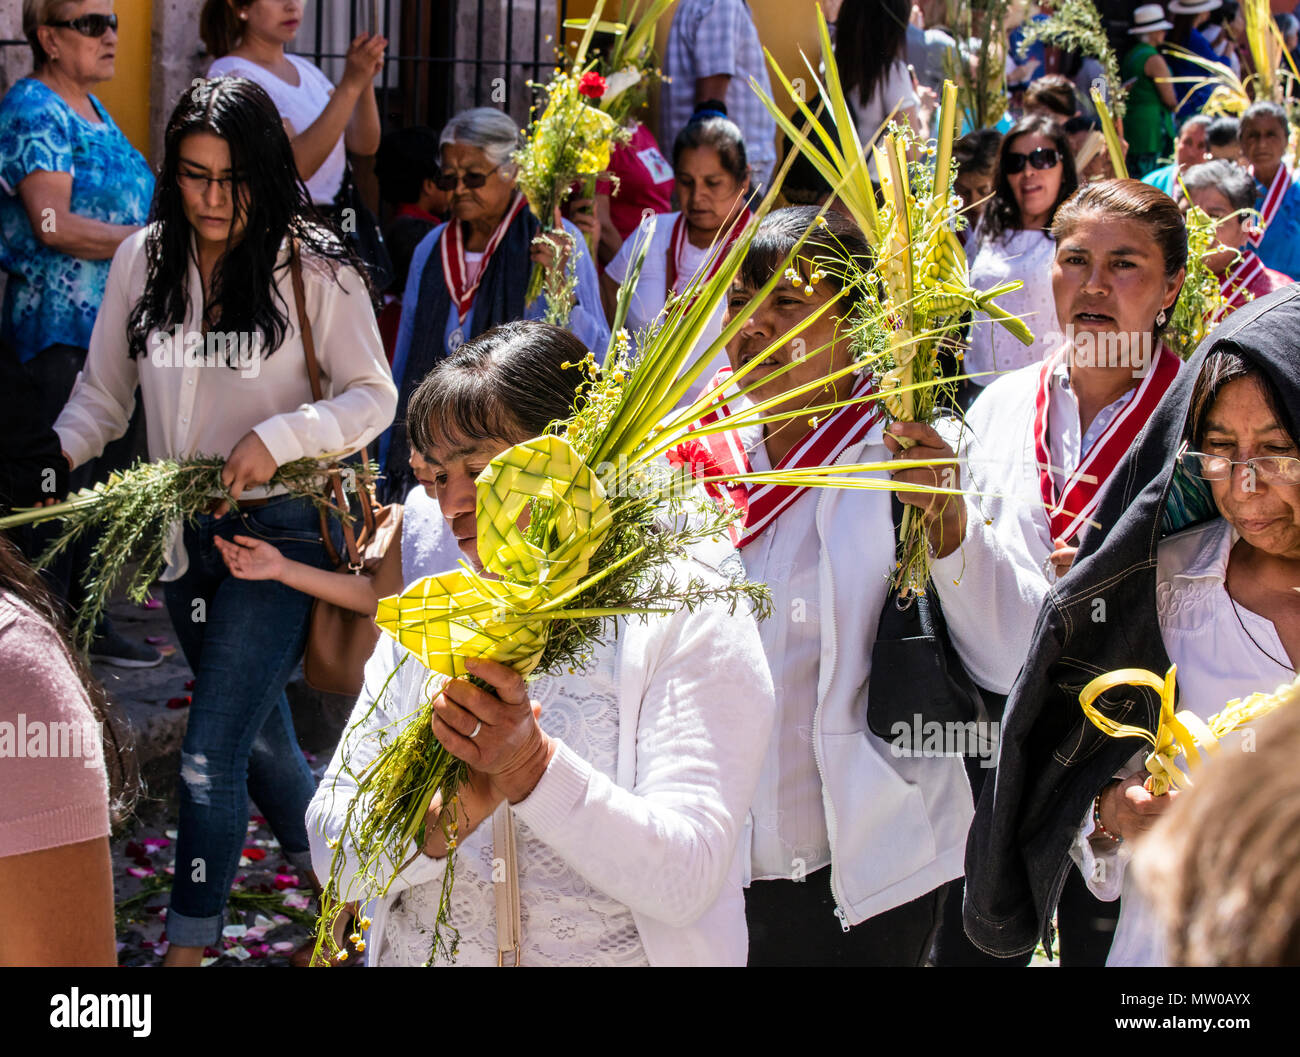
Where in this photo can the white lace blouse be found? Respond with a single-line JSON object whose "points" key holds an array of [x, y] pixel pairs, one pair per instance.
{"points": [[564, 920]]}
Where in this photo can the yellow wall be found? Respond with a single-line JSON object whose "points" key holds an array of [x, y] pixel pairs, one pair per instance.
{"points": [[127, 95]]}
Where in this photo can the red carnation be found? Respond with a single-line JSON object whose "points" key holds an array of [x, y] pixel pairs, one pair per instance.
{"points": [[592, 85]]}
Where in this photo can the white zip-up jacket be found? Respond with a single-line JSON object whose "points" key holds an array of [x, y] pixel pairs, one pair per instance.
{"points": [[897, 825]]}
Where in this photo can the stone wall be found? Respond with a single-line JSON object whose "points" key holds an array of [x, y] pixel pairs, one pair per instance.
{"points": [[178, 57]]}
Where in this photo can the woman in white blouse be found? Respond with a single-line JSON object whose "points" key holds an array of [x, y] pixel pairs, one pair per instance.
{"points": [[627, 782], [1041, 442], [711, 180], [870, 50], [1226, 601], [1035, 175], [247, 39], [201, 314]]}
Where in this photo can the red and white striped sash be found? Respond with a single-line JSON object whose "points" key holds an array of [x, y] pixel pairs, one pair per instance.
{"points": [[1272, 201], [454, 268], [1069, 511], [724, 453], [1235, 286], [677, 276]]}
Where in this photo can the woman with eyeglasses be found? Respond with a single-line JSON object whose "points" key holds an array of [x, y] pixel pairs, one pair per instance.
{"points": [[202, 313], [71, 189], [1199, 568], [1041, 443], [247, 39], [471, 273], [1035, 175]]}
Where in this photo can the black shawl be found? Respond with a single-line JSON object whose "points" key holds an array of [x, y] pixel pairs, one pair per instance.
{"points": [[1101, 616]]}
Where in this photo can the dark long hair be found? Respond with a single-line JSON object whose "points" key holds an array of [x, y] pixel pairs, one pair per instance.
{"points": [[511, 381], [828, 243], [219, 28], [20, 581], [869, 38], [273, 200], [1003, 212]]}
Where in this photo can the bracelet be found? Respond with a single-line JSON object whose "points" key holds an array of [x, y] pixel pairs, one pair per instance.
{"points": [[1096, 821]]}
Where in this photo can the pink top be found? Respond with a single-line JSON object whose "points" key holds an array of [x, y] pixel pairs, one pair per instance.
{"points": [[53, 785]]}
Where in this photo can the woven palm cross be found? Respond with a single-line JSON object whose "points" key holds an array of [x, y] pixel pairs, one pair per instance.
{"points": [[499, 614]]}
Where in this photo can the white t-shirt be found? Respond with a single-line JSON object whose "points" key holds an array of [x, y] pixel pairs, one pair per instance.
{"points": [[895, 91], [1024, 255], [652, 286], [299, 105]]}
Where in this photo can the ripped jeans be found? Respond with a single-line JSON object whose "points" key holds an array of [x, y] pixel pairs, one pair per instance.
{"points": [[242, 639]]}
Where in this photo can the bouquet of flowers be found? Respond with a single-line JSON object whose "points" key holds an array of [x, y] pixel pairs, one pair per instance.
{"points": [[135, 514], [1178, 734], [570, 140], [628, 67]]}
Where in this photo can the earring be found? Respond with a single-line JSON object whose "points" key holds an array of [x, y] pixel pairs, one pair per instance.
{"points": [[1160, 319]]}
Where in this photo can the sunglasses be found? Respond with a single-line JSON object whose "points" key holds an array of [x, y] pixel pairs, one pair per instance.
{"points": [[87, 25], [1042, 158], [472, 180]]}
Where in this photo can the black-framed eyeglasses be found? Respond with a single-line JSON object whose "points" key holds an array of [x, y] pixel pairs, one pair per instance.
{"points": [[1275, 469], [87, 25], [198, 183], [447, 181], [1042, 158]]}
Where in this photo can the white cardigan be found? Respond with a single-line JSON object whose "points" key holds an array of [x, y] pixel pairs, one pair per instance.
{"points": [[897, 825], [695, 713]]}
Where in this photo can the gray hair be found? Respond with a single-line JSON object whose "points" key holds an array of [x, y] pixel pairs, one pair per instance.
{"points": [[37, 13], [490, 130], [1228, 178], [1196, 121]]}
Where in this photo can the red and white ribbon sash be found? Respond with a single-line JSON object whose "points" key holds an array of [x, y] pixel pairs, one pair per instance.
{"points": [[677, 276], [455, 271], [761, 504], [1069, 511], [1236, 285], [1272, 201]]}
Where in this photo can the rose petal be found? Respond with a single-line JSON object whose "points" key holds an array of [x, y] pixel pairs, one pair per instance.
{"points": [[256, 854], [140, 871], [154, 843], [234, 931], [179, 702], [189, 684], [156, 640], [170, 833], [240, 953], [297, 900], [206, 962], [284, 880], [134, 849], [283, 947], [151, 603]]}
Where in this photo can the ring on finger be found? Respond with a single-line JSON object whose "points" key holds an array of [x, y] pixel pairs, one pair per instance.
{"points": [[477, 727]]}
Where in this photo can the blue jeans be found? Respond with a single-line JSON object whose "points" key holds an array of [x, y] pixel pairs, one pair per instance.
{"points": [[242, 639]]}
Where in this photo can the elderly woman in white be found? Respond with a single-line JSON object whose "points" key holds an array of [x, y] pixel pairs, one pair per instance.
{"points": [[628, 782]]}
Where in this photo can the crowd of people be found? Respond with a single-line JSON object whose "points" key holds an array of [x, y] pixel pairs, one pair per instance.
{"points": [[707, 789]]}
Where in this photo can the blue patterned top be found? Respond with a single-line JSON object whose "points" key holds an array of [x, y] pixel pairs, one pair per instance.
{"points": [[52, 297]]}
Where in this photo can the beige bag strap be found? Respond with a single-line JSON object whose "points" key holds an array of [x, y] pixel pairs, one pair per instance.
{"points": [[507, 890], [313, 376]]}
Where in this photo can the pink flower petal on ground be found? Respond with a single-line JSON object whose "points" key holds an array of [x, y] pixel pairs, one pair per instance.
{"points": [[309, 757], [154, 843], [161, 947], [156, 640], [170, 871], [283, 947], [284, 880], [151, 603], [179, 702], [167, 651], [279, 919], [258, 819], [140, 871], [297, 900]]}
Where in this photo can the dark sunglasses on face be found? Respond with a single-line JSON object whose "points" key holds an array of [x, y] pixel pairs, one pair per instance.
{"points": [[472, 180], [1042, 158], [87, 25]]}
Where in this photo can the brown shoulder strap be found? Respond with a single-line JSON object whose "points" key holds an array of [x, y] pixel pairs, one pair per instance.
{"points": [[313, 376]]}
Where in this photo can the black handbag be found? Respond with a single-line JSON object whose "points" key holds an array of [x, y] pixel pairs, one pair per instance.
{"points": [[916, 676]]}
